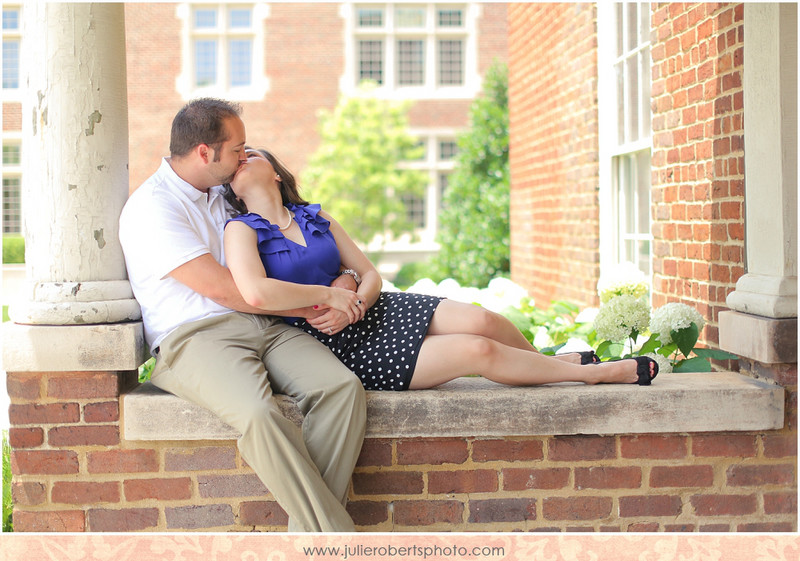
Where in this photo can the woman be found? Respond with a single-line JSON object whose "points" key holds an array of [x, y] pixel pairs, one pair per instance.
{"points": [[284, 253]]}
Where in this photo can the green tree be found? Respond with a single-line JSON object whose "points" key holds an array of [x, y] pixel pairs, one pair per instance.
{"points": [[354, 173], [473, 225]]}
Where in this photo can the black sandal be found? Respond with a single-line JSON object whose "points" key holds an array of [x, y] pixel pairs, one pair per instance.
{"points": [[589, 357], [643, 369]]}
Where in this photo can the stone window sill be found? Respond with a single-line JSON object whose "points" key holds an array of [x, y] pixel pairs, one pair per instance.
{"points": [[475, 407]]}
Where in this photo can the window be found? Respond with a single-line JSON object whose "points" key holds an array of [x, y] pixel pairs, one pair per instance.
{"points": [[413, 50], [438, 159], [625, 134], [12, 27], [12, 187], [223, 51]]}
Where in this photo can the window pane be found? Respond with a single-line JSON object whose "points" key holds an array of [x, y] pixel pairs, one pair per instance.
{"points": [[205, 18], [370, 17], [619, 42], [619, 71], [447, 149], [205, 52], [12, 206], [415, 210], [240, 18], [643, 192], [450, 18], [11, 63], [10, 19], [644, 98], [633, 25], [443, 180], [11, 154], [644, 24], [370, 61], [410, 63], [451, 63], [633, 102], [241, 62], [409, 17]]}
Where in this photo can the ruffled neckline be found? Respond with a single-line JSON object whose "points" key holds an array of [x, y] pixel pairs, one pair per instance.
{"points": [[306, 216]]}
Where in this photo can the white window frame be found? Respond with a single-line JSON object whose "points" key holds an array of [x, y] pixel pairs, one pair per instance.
{"points": [[431, 34], [12, 171], [14, 94], [185, 82], [612, 148]]}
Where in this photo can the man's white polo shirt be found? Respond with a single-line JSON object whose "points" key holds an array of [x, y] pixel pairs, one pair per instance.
{"points": [[165, 223]]}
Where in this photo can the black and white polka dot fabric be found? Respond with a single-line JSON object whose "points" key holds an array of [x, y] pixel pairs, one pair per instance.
{"points": [[382, 348]]}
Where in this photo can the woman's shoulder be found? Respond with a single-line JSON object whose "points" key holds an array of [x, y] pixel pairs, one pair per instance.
{"points": [[253, 220], [310, 216]]}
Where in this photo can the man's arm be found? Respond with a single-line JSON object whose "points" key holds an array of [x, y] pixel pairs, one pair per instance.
{"points": [[207, 277]]}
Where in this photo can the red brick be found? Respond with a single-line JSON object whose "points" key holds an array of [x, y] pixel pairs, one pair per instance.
{"points": [[83, 385], [25, 438], [465, 481], [425, 513], [368, 513], [44, 462], [643, 527], [576, 508], [780, 503], [198, 517], [752, 476], [780, 446], [724, 505], [679, 527], [246, 485], [162, 489], [44, 414], [200, 459], [24, 386], [521, 479], [766, 527], [125, 520], [650, 505], [49, 521], [105, 412], [715, 528], [608, 478], [434, 451], [262, 513], [507, 450], [730, 445], [388, 483], [122, 461], [375, 452], [85, 492], [28, 493], [502, 510], [96, 435], [579, 448], [682, 476]]}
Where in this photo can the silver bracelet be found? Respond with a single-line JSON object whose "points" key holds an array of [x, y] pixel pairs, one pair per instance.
{"points": [[352, 273]]}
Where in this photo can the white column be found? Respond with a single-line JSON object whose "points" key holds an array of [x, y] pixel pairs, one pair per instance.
{"points": [[75, 164], [770, 122]]}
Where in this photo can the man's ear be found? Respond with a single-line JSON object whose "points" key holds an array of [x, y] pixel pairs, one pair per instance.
{"points": [[203, 150]]}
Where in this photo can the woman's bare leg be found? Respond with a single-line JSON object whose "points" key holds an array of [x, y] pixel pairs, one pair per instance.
{"points": [[445, 357], [452, 318]]}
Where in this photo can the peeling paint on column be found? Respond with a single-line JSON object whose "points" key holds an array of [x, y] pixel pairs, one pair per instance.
{"points": [[94, 118], [75, 289], [100, 167], [33, 122], [71, 187], [98, 236]]}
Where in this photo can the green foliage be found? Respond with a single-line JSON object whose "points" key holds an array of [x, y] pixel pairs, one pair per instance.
{"points": [[473, 225], [146, 370], [5, 314], [8, 525], [13, 248], [558, 321], [355, 174], [411, 272]]}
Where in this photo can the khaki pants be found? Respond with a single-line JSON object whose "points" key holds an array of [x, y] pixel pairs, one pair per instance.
{"points": [[231, 364]]}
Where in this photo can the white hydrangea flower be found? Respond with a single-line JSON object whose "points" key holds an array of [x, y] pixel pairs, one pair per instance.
{"points": [[620, 316], [674, 317], [664, 364], [625, 278]]}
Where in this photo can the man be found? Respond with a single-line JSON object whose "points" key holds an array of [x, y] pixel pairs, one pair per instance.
{"points": [[213, 349]]}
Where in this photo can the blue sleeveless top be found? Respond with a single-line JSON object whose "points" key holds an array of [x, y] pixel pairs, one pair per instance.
{"points": [[283, 259]]}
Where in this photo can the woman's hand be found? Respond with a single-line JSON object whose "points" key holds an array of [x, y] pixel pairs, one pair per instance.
{"points": [[348, 302], [330, 322]]}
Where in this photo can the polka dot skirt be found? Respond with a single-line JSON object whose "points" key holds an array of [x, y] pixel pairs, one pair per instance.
{"points": [[382, 348]]}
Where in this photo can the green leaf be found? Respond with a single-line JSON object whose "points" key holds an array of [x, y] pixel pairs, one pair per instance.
{"points": [[650, 345], [686, 338], [550, 351], [715, 354], [695, 364], [667, 350]]}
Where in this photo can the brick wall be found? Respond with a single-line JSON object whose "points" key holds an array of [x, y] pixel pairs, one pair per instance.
{"points": [[698, 155], [554, 145], [74, 472]]}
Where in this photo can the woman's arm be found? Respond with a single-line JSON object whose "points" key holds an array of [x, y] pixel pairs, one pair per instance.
{"points": [[260, 291]]}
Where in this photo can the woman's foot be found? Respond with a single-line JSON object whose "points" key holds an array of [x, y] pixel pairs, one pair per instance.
{"points": [[637, 370], [581, 357]]}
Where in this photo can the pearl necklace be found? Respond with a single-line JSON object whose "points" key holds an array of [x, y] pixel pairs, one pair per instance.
{"points": [[288, 223]]}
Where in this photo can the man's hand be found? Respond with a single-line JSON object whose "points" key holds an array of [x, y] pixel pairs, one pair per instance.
{"points": [[345, 281]]}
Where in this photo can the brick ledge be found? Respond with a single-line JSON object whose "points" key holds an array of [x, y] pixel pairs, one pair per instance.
{"points": [[476, 407]]}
